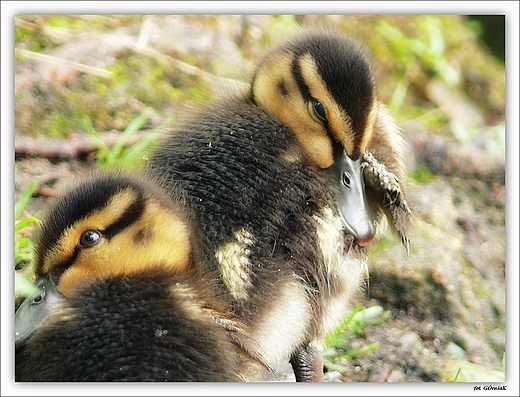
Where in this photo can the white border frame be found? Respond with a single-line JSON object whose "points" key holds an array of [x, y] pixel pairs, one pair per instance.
{"points": [[11, 8]]}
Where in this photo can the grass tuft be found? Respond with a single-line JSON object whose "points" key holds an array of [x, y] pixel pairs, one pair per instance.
{"points": [[338, 340], [24, 246]]}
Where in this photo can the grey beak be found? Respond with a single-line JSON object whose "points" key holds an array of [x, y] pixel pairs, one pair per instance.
{"points": [[34, 310], [356, 214]]}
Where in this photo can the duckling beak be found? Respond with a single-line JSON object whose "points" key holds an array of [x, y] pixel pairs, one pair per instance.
{"points": [[35, 309], [356, 214]]}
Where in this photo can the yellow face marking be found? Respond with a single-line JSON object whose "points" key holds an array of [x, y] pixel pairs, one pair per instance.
{"points": [[296, 113], [158, 239], [98, 220], [369, 128], [291, 108]]}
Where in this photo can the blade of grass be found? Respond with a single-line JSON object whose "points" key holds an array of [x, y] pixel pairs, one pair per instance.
{"points": [[457, 374], [331, 366], [136, 152], [20, 224], [332, 338], [361, 352], [135, 125], [368, 315], [103, 151], [24, 287], [22, 202]]}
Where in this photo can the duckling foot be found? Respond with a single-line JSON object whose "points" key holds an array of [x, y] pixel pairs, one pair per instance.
{"points": [[307, 364]]}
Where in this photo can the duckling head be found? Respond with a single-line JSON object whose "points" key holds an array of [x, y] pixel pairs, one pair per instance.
{"points": [[320, 86], [109, 226], [112, 219]]}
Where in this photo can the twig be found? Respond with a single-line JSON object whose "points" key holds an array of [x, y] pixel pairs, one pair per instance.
{"points": [[76, 65], [79, 145], [18, 22], [47, 192], [213, 80]]}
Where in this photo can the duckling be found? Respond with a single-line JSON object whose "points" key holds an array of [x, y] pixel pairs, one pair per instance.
{"points": [[289, 182], [122, 296]]}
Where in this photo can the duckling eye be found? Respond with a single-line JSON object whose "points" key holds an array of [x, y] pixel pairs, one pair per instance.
{"points": [[346, 179], [89, 238], [38, 299], [319, 110]]}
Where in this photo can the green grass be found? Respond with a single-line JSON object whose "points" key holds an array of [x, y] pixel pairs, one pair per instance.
{"points": [[24, 246], [120, 154], [421, 175], [354, 324]]}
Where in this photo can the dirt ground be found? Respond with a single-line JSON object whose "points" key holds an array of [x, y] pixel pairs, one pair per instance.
{"points": [[446, 299]]}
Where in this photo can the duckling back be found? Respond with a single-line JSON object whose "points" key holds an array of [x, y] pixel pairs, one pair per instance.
{"points": [[241, 171]]}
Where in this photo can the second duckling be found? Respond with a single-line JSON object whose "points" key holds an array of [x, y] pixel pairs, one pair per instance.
{"points": [[123, 298]]}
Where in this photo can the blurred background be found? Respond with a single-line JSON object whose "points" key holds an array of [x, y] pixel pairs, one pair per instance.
{"points": [[96, 91]]}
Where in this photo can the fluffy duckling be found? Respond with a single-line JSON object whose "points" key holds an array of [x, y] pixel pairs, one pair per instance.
{"points": [[288, 183], [122, 296]]}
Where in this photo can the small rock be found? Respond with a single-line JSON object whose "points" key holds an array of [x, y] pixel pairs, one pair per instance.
{"points": [[396, 376], [409, 340]]}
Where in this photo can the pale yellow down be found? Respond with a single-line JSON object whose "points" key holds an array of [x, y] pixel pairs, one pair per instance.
{"points": [[297, 113]]}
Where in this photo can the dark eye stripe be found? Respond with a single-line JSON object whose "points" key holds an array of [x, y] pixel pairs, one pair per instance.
{"points": [[298, 77], [57, 271], [337, 147], [77, 204], [132, 214]]}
